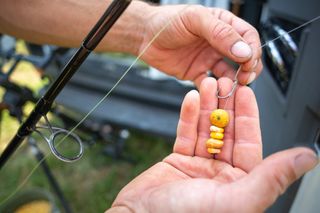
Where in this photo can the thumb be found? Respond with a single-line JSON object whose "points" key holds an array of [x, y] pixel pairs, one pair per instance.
{"points": [[221, 35], [275, 174]]}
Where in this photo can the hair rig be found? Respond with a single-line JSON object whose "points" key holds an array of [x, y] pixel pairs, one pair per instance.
{"points": [[219, 119]]}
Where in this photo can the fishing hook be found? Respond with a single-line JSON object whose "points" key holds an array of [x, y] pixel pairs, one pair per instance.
{"points": [[234, 86]]}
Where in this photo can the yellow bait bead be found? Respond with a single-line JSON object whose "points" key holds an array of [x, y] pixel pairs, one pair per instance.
{"points": [[213, 151], [219, 118], [216, 135], [214, 143], [216, 129]]}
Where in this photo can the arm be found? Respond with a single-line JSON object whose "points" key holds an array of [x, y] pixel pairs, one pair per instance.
{"points": [[196, 40], [66, 22]]}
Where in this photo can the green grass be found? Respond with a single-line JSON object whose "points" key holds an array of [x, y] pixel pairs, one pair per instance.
{"points": [[90, 184]]}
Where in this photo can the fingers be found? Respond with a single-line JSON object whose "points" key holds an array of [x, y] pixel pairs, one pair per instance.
{"points": [[201, 64], [250, 35], [220, 34], [188, 124], [273, 176], [225, 86], [245, 77], [197, 81], [223, 69], [247, 150], [208, 102]]}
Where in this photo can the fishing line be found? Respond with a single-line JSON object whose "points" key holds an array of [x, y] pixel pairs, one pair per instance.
{"points": [[115, 85], [235, 83], [290, 31], [93, 109]]}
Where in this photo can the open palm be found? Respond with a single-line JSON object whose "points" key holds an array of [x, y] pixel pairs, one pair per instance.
{"points": [[236, 180]]}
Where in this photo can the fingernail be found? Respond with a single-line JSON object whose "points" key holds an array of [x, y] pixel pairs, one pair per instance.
{"points": [[305, 162], [251, 77], [241, 49]]}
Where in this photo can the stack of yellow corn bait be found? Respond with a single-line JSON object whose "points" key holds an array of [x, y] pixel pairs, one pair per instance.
{"points": [[219, 119]]}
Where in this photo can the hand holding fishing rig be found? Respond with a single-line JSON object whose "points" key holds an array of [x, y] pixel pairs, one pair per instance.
{"points": [[219, 118], [89, 44], [43, 106]]}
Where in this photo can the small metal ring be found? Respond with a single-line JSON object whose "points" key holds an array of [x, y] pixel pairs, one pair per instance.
{"points": [[52, 146]]}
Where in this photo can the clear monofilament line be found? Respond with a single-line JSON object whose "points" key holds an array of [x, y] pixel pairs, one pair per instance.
{"points": [[292, 30], [265, 44], [109, 92], [93, 109]]}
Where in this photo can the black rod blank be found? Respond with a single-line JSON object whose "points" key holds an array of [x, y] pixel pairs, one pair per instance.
{"points": [[111, 15]]}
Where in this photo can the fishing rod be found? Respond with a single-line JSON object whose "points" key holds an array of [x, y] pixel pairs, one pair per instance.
{"points": [[104, 24]]}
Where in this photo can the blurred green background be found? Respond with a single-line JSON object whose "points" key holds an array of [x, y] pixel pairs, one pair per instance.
{"points": [[90, 184]]}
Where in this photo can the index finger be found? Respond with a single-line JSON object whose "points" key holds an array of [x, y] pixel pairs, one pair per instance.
{"points": [[252, 38]]}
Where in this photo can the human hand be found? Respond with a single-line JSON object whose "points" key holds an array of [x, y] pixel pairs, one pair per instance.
{"points": [[197, 40], [237, 180]]}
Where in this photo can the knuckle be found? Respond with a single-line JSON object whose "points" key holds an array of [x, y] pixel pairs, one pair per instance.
{"points": [[281, 182], [193, 15], [219, 12], [282, 179], [221, 31], [194, 10], [253, 33]]}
